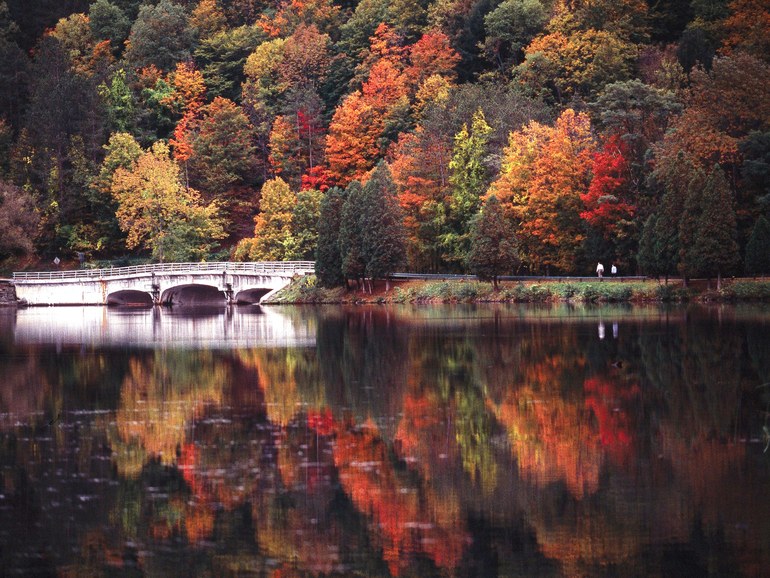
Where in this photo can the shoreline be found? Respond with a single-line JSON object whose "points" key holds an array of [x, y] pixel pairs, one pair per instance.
{"points": [[304, 290]]}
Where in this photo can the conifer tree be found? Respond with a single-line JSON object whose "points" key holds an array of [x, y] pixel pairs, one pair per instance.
{"points": [[688, 226], [350, 239], [328, 260], [647, 257], [493, 244], [758, 248], [382, 224], [716, 248]]}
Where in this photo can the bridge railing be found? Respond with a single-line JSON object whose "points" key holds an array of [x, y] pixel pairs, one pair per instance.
{"points": [[158, 268]]}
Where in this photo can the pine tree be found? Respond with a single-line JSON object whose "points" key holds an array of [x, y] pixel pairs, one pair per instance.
{"points": [[351, 250], [647, 257], [688, 226], [758, 248], [382, 223], [493, 244], [328, 260], [715, 240]]}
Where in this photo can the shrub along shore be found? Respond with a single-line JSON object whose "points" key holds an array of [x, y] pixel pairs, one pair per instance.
{"points": [[306, 290]]}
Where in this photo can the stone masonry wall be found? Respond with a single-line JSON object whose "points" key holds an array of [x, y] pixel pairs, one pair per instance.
{"points": [[7, 293]]}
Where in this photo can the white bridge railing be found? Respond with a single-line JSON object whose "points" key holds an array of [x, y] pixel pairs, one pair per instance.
{"points": [[267, 267]]}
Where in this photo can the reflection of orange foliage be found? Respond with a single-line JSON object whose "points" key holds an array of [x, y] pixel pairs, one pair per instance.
{"points": [[594, 544], [419, 416], [408, 520], [156, 405], [605, 400], [553, 439]]}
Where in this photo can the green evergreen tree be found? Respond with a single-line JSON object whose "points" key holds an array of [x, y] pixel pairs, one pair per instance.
{"points": [[382, 222], [758, 248], [665, 234], [493, 244], [350, 239], [716, 248], [647, 257], [328, 259], [689, 222]]}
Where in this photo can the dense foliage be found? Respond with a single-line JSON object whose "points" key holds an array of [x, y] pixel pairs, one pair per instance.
{"points": [[624, 131]]}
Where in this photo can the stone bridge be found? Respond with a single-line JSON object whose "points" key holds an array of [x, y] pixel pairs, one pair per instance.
{"points": [[160, 284]]}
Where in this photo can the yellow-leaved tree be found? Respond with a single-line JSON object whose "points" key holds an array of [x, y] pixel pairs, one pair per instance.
{"points": [[159, 213]]}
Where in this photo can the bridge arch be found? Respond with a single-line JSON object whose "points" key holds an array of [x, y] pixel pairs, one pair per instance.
{"points": [[130, 297], [250, 296], [193, 294]]}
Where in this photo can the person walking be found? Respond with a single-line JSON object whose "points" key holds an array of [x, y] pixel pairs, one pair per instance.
{"points": [[613, 270], [600, 270]]}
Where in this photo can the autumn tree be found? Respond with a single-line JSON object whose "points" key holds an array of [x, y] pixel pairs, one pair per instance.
{"points": [[609, 203], [747, 28], [273, 239], [576, 65], [297, 138], [544, 172], [222, 158], [305, 221], [638, 115], [420, 169], [351, 147], [208, 18], [493, 247], [121, 151], [432, 55], [159, 213], [469, 178], [18, 222], [722, 107]]}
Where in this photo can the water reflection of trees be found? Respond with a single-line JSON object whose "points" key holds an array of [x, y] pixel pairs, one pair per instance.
{"points": [[405, 445]]}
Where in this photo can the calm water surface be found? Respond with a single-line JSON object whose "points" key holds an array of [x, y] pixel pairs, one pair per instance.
{"points": [[433, 441]]}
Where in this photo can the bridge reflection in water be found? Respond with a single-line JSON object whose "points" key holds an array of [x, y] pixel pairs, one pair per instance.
{"points": [[195, 327]]}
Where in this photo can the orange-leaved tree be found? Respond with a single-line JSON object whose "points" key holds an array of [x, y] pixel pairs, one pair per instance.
{"points": [[544, 172]]}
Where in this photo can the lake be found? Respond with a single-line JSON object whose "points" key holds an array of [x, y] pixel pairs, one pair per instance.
{"points": [[489, 440]]}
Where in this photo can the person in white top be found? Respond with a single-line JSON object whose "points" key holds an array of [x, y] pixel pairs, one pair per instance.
{"points": [[600, 270]]}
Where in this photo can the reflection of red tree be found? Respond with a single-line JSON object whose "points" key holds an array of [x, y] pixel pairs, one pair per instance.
{"points": [[408, 520], [606, 400]]}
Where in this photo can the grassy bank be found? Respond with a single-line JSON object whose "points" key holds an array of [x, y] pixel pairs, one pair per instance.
{"points": [[306, 290]]}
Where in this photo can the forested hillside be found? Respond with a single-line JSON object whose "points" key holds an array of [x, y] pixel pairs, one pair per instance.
{"points": [[490, 136]]}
